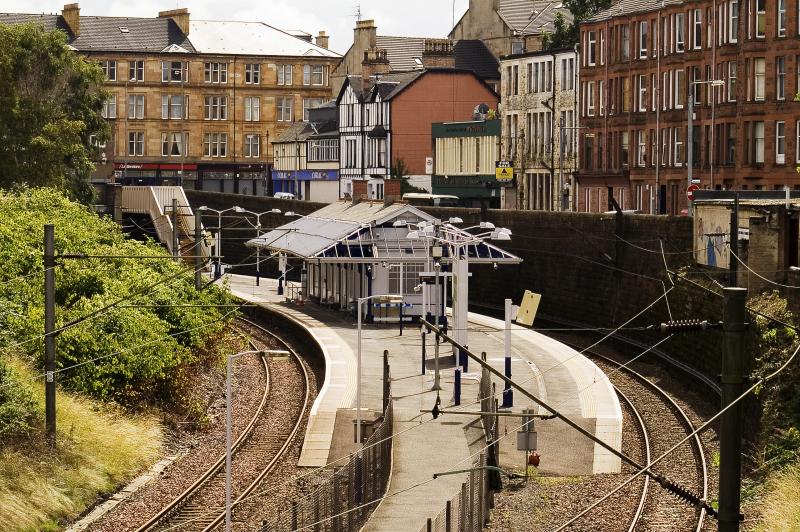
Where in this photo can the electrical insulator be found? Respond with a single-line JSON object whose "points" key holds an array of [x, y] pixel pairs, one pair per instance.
{"points": [[678, 326]]}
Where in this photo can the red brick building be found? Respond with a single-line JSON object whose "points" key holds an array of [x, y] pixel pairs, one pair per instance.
{"points": [[740, 60]]}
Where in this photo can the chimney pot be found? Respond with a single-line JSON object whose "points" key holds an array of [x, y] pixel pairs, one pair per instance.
{"points": [[438, 53]]}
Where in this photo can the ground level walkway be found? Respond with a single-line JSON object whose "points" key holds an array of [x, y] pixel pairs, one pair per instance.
{"points": [[550, 370]]}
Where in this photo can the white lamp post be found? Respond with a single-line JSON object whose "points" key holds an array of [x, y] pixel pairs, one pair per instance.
{"points": [[219, 230], [393, 298], [258, 230], [229, 425]]}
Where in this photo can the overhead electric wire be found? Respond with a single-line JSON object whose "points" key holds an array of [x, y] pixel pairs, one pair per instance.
{"points": [[743, 263], [697, 431]]}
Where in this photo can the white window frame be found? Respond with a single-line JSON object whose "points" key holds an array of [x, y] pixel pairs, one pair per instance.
{"points": [[780, 142], [252, 145], [136, 106], [252, 74], [311, 103], [136, 143], [697, 29], [780, 22], [215, 145], [172, 139], [780, 78], [216, 73], [680, 93], [759, 79], [653, 91], [641, 89], [168, 71], [110, 107], [641, 149], [136, 70], [252, 109], [601, 96], [590, 98], [680, 36], [733, 21], [169, 106], [761, 18], [109, 67], [602, 46], [643, 39], [310, 73], [284, 106], [285, 74], [215, 107], [758, 143], [732, 72]]}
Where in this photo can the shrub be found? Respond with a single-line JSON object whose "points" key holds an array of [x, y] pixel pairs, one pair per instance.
{"points": [[17, 404]]}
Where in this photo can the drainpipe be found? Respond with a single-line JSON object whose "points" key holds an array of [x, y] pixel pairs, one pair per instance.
{"points": [[577, 110], [552, 124]]}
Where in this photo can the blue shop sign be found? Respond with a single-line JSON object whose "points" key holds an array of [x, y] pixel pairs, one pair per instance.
{"points": [[305, 175]]}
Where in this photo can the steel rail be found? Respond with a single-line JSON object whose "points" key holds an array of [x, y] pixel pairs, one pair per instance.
{"points": [[176, 504], [684, 418], [289, 439], [643, 499]]}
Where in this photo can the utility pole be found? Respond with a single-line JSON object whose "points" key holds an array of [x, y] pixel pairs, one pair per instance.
{"points": [[198, 251], [730, 440], [49, 328], [733, 261], [176, 252]]}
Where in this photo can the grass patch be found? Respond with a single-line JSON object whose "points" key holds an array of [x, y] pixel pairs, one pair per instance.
{"points": [[780, 509], [99, 447]]}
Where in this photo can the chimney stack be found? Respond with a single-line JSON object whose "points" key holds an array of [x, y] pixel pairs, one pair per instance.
{"points": [[375, 62], [391, 191], [364, 35], [180, 16], [72, 17], [322, 40], [438, 53]]}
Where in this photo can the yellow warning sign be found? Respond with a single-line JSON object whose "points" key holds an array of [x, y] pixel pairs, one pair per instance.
{"points": [[504, 170], [527, 309]]}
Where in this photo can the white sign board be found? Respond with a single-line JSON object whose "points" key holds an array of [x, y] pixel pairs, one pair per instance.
{"points": [[429, 165]]}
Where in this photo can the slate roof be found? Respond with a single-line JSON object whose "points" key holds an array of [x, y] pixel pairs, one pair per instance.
{"points": [[156, 34], [518, 14], [470, 54], [296, 131], [629, 7], [143, 35]]}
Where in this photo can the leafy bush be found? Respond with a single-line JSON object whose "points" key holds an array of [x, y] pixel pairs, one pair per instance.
{"points": [[129, 355], [17, 405]]}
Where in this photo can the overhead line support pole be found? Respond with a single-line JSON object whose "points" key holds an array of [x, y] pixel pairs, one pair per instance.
{"points": [[175, 237], [198, 255], [49, 328]]}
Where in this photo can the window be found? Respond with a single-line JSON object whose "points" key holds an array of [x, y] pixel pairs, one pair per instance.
{"points": [[697, 24], [643, 39], [136, 106], [732, 81], [136, 143], [626, 41], [517, 47], [602, 47], [733, 21], [761, 18], [382, 153], [626, 94], [568, 74], [308, 104], [780, 142], [252, 109], [215, 144], [515, 79], [590, 98], [730, 152], [680, 88], [780, 77], [797, 143], [677, 135], [679, 38], [324, 150], [641, 150], [695, 87], [529, 81], [172, 144], [624, 148], [110, 107], [252, 73], [174, 106], [174, 71], [508, 81], [109, 69], [601, 89], [284, 109], [781, 29], [591, 39], [136, 70], [759, 68], [642, 89], [758, 145], [313, 75], [350, 154], [216, 107], [284, 74], [549, 77], [251, 145], [216, 72]]}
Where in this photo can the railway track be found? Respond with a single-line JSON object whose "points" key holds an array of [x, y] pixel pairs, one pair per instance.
{"points": [[258, 449], [661, 422]]}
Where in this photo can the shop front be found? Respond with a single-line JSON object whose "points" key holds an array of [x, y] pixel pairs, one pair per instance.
{"points": [[310, 185]]}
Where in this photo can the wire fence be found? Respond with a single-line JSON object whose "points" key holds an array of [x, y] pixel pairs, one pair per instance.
{"points": [[342, 501], [469, 509]]}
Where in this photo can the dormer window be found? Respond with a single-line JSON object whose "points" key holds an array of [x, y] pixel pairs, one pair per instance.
{"points": [[517, 47], [124, 29]]}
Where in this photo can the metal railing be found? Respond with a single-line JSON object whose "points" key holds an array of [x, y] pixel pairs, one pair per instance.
{"points": [[343, 500], [469, 509]]}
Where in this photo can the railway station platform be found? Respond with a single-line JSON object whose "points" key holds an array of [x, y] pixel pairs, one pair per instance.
{"points": [[550, 370]]}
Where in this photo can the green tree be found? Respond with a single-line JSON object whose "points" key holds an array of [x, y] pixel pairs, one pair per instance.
{"points": [[51, 101], [566, 34], [399, 170]]}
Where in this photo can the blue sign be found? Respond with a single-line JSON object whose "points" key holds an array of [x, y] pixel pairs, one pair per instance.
{"points": [[305, 175]]}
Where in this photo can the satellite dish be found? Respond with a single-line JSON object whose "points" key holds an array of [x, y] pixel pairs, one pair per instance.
{"points": [[483, 108]]}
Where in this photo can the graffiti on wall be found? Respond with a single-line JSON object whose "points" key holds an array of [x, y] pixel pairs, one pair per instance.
{"points": [[711, 225]]}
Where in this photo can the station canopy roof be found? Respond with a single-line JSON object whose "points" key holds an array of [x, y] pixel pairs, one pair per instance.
{"points": [[344, 232]]}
